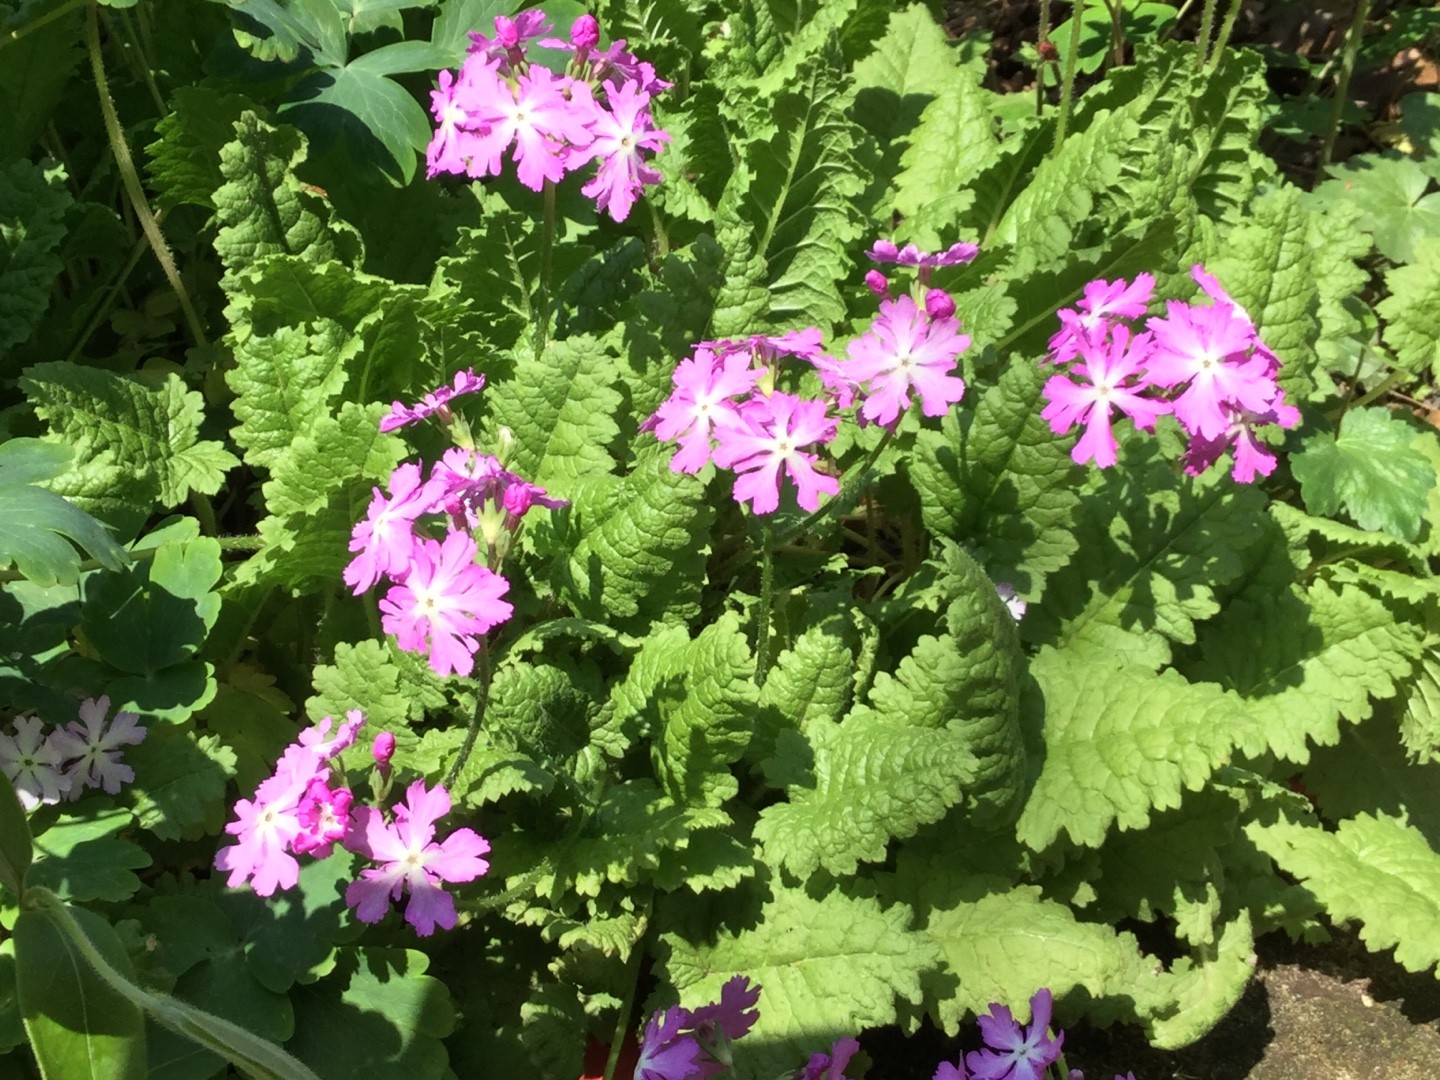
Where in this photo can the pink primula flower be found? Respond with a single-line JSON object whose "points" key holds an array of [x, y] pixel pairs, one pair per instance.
{"points": [[1210, 348], [412, 861], [1102, 301], [906, 350], [543, 115], [703, 400], [886, 251], [770, 436], [385, 540], [445, 604], [435, 403], [1114, 371], [623, 131]]}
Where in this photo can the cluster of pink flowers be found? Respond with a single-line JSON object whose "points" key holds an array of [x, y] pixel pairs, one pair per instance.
{"points": [[599, 110], [724, 406], [302, 810], [1202, 363], [694, 1044], [441, 601], [64, 762]]}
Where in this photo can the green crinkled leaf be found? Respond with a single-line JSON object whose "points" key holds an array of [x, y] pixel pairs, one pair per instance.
{"points": [[1369, 471], [904, 72], [264, 209], [641, 545], [1001, 945], [81, 856], [873, 780], [1204, 987], [995, 477], [712, 859], [1411, 311], [377, 1015], [134, 444], [33, 202], [540, 710], [1390, 194], [1420, 718], [179, 788], [1374, 868], [1153, 546], [787, 217], [1120, 743], [827, 967], [253, 718], [1368, 770], [1303, 660], [38, 524], [955, 140], [811, 684], [561, 409], [317, 492], [184, 161], [283, 385], [551, 1015], [709, 727], [157, 612], [1267, 264], [630, 827], [364, 676], [280, 291], [79, 1026], [493, 270]]}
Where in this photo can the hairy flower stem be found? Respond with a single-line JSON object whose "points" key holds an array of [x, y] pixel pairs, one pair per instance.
{"points": [[547, 252], [1202, 40], [482, 698], [1342, 87], [1042, 39], [1067, 87], [35, 24], [1226, 29], [622, 1022], [131, 179], [767, 601]]}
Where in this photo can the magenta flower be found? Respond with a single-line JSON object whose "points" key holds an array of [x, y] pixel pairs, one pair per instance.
{"points": [[1210, 348], [265, 829], [1114, 371], [886, 251], [666, 1051], [95, 748], [435, 403], [771, 433], [34, 763], [905, 350], [445, 604], [542, 114], [293, 812], [946, 1071], [1251, 457], [830, 1066], [623, 131], [1102, 301], [385, 540], [412, 861], [1014, 1052], [703, 400]]}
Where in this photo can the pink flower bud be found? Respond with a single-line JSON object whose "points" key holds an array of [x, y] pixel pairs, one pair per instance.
{"points": [[506, 32], [383, 749], [585, 32], [877, 283], [938, 304]]}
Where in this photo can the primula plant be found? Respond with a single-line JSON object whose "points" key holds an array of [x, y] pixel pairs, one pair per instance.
{"points": [[695, 530]]}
